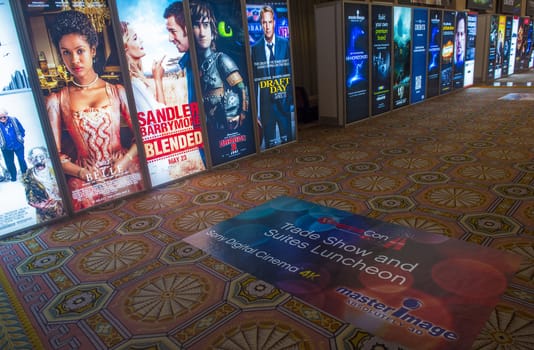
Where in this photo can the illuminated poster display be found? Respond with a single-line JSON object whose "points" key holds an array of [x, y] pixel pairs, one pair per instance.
{"points": [[513, 45], [357, 61], [415, 289], [156, 49], [420, 42], [470, 49], [86, 100], [522, 49], [28, 182], [499, 50], [402, 42], [530, 42], [460, 41], [447, 51], [220, 48], [268, 27], [492, 47], [434, 53], [507, 46], [381, 46]]}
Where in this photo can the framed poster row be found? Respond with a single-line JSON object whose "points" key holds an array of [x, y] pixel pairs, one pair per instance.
{"points": [[397, 55], [103, 99]]}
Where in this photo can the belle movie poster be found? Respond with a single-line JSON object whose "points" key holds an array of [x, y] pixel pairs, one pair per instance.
{"points": [[412, 288], [268, 29], [221, 56], [357, 61], [85, 99], [434, 53], [381, 48], [402, 43], [30, 192], [156, 48], [420, 42], [447, 51]]}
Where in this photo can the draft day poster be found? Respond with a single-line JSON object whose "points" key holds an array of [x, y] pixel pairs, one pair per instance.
{"points": [[381, 46], [90, 118], [460, 37], [416, 289], [356, 61], [268, 24], [470, 49], [30, 192], [402, 43], [447, 51], [420, 42], [222, 64], [434, 53], [162, 82]]}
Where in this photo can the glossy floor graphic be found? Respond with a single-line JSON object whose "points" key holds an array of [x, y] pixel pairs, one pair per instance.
{"points": [[120, 276]]}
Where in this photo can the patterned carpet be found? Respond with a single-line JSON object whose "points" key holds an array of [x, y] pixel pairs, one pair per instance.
{"points": [[120, 277]]}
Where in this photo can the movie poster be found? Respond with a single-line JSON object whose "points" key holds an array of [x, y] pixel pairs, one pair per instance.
{"points": [[416, 289], [357, 61], [224, 83], [381, 46], [470, 49], [513, 45], [268, 28], [434, 53], [530, 40], [402, 42], [499, 50], [492, 47], [507, 46], [447, 51], [30, 191], [522, 48], [86, 101], [155, 46], [460, 41], [420, 42]]}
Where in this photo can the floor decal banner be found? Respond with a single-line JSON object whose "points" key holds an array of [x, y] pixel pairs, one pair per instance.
{"points": [[417, 289]]}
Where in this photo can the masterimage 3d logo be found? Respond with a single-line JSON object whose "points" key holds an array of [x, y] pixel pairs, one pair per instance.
{"points": [[381, 239], [401, 316]]}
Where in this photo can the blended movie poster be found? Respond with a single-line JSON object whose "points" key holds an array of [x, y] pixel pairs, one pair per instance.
{"points": [[420, 42], [434, 53], [156, 48], [402, 43], [357, 61], [447, 51], [270, 49], [381, 48], [82, 84], [28, 183], [219, 41]]}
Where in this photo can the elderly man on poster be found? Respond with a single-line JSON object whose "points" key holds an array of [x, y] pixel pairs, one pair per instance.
{"points": [[272, 76]]}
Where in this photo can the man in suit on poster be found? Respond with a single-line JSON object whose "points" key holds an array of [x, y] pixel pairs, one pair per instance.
{"points": [[272, 78]]}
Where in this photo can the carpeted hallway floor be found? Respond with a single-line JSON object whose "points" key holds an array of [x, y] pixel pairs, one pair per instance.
{"points": [[119, 277]]}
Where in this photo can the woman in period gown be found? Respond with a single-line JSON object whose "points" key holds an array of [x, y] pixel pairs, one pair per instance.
{"points": [[91, 111]]}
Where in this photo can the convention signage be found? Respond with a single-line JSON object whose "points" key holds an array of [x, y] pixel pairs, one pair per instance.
{"points": [[356, 61], [413, 288], [419, 54], [381, 31], [402, 43], [86, 101], [156, 49], [28, 183], [268, 28], [447, 51], [434, 53]]}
